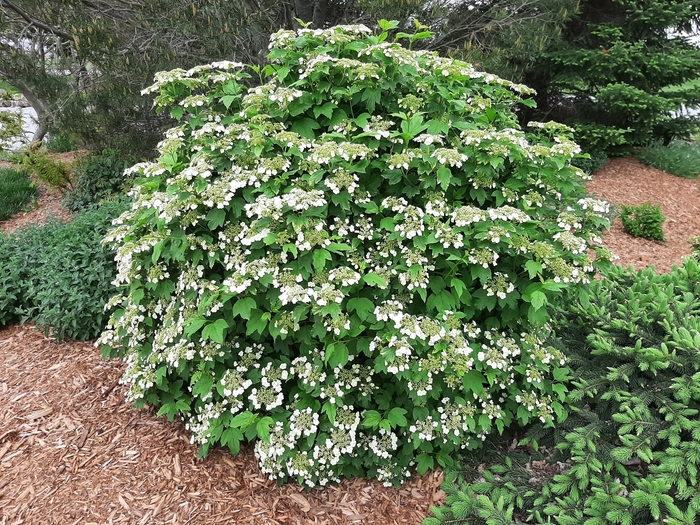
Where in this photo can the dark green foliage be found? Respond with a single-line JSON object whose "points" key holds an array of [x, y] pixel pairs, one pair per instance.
{"points": [[59, 274], [609, 75], [695, 242], [591, 162], [678, 158], [36, 161], [85, 63], [59, 143], [643, 221], [16, 191], [99, 176], [632, 443]]}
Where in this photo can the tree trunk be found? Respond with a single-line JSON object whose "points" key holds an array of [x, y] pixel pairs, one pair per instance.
{"points": [[320, 13], [314, 12], [42, 113], [304, 10]]}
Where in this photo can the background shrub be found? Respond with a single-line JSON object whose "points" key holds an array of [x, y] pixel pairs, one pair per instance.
{"points": [[350, 263], [678, 158], [695, 243], [643, 221], [59, 143], [632, 441], [594, 162], [59, 275], [99, 176], [16, 190], [37, 162]]}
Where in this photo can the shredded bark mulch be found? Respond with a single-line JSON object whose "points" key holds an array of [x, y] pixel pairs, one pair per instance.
{"points": [[629, 182]]}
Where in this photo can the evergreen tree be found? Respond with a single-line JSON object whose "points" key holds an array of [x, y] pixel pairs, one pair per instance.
{"points": [[619, 73], [82, 63]]}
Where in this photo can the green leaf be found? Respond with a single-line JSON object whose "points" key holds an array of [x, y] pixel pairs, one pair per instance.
{"points": [[216, 218], [305, 127], [441, 301], [336, 354], [397, 417], [263, 428], [243, 307], [176, 112], [337, 247], [232, 438], [388, 25], [243, 420], [413, 126], [320, 256], [203, 386], [258, 321], [194, 323], [157, 250], [443, 177], [215, 331], [534, 268], [458, 286], [330, 409], [361, 306], [435, 127], [474, 381], [326, 110], [372, 419], [538, 299], [375, 280], [424, 462], [227, 100], [372, 96]]}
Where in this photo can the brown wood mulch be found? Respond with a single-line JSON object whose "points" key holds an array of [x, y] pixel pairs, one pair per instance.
{"points": [[49, 202], [627, 181], [73, 451]]}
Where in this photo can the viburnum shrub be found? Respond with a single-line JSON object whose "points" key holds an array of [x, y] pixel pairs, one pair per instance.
{"points": [[349, 263]]}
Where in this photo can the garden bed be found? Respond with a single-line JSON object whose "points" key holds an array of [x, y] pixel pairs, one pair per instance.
{"points": [[73, 451]]}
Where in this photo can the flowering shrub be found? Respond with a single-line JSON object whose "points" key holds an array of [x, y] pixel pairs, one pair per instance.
{"points": [[351, 262]]}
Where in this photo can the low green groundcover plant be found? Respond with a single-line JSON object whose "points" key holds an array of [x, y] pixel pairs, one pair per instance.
{"points": [[350, 263], [678, 158], [644, 221], [16, 192], [59, 275], [631, 446], [99, 176], [37, 162]]}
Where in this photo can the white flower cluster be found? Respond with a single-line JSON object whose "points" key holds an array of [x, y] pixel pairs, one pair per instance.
{"points": [[499, 285], [466, 215], [596, 205], [452, 157], [402, 159]]}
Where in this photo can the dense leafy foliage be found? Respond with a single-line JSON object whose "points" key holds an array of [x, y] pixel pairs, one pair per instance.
{"points": [[17, 192], [591, 162], [645, 221], [38, 162], [59, 275], [678, 158], [608, 75], [351, 262], [99, 176], [631, 446]]}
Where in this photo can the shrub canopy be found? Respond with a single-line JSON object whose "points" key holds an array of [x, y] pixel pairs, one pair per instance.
{"points": [[350, 263]]}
